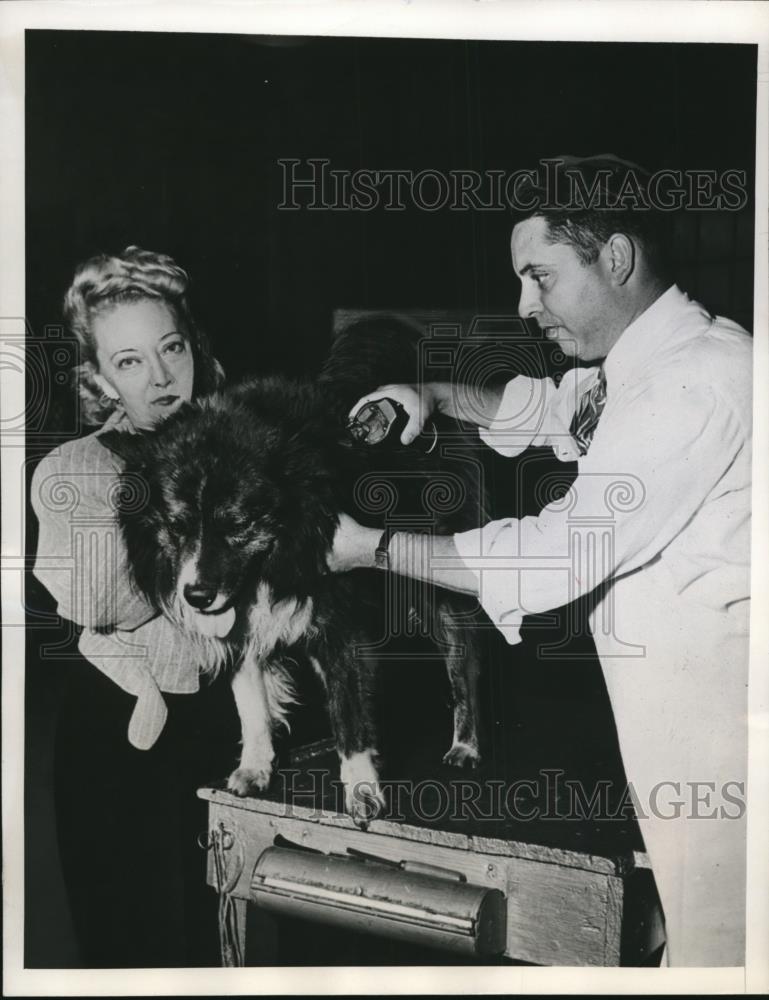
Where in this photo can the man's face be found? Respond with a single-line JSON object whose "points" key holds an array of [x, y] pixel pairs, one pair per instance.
{"points": [[572, 302]]}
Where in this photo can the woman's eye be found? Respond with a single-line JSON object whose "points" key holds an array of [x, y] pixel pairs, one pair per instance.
{"points": [[124, 363], [176, 347]]}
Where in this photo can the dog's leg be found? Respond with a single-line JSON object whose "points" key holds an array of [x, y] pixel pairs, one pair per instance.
{"points": [[349, 685], [363, 796], [464, 669], [255, 769]]}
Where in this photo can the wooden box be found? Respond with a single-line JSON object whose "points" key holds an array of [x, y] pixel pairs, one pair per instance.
{"points": [[564, 906]]}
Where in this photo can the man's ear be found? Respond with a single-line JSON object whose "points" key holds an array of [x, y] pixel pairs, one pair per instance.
{"points": [[134, 449], [621, 257]]}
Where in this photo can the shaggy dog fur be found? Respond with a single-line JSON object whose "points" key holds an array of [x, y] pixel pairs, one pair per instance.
{"points": [[244, 488]]}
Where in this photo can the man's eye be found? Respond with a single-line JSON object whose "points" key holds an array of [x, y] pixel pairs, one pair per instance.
{"points": [[538, 279]]}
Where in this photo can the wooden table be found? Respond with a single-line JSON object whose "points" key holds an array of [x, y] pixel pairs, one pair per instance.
{"points": [[565, 906]]}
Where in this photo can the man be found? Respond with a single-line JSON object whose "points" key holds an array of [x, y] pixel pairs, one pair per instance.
{"points": [[656, 529]]}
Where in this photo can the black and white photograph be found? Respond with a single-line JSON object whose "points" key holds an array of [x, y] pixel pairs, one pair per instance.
{"points": [[382, 516]]}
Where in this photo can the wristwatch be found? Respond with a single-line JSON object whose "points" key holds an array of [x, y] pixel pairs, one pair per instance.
{"points": [[381, 555]]}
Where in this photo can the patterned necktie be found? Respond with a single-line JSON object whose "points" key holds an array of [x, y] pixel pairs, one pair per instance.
{"points": [[588, 413]]}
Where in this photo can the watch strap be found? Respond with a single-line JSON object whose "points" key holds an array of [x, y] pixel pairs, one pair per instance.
{"points": [[381, 555]]}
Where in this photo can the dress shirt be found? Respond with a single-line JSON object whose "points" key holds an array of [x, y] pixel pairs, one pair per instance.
{"points": [[665, 485], [656, 527]]}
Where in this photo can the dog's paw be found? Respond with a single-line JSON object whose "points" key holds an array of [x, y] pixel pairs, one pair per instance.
{"points": [[363, 796], [364, 802], [247, 781], [462, 755]]}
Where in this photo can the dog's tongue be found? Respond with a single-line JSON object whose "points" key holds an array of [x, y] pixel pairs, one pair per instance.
{"points": [[217, 626]]}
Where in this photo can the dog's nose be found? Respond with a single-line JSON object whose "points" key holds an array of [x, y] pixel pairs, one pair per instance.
{"points": [[199, 597]]}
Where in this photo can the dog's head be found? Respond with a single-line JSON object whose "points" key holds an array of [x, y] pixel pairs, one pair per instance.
{"points": [[231, 499]]}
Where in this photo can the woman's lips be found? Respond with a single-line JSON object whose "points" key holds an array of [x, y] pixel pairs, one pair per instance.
{"points": [[165, 400]]}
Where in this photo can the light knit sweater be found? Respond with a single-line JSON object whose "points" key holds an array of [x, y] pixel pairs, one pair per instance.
{"points": [[82, 562]]}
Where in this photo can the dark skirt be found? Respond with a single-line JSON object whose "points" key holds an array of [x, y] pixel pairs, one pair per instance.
{"points": [[127, 824]]}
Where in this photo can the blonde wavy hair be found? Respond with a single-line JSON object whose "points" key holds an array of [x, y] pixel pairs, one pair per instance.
{"points": [[106, 281]]}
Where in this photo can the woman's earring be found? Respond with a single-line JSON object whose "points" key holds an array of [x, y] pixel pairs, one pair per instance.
{"points": [[108, 395], [105, 400]]}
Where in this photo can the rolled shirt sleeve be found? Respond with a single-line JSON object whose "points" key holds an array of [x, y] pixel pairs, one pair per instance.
{"points": [[535, 413], [657, 454]]}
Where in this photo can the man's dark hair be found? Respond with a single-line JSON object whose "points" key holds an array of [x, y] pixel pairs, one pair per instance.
{"points": [[585, 200]]}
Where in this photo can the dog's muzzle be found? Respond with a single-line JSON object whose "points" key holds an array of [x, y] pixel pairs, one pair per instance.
{"points": [[199, 597], [213, 621]]}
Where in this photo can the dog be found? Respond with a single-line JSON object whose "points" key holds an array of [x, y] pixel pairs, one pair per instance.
{"points": [[244, 488]]}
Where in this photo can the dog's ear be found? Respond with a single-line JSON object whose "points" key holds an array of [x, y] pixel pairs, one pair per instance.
{"points": [[134, 449]]}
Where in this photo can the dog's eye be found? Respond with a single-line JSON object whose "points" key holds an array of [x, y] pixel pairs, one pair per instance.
{"points": [[241, 538], [252, 539], [234, 531], [178, 527], [228, 520]]}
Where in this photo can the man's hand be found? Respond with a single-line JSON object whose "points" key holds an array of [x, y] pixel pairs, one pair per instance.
{"points": [[418, 402], [354, 546], [433, 559], [472, 404]]}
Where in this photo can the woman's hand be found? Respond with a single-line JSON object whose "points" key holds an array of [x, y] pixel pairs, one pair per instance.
{"points": [[418, 402], [354, 546]]}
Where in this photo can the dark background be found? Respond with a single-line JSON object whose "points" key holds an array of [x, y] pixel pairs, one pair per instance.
{"points": [[171, 142]]}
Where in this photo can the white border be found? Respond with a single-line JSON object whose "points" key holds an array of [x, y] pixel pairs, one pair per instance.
{"points": [[588, 20]]}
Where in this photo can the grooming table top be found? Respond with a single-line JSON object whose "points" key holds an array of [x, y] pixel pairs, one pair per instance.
{"points": [[545, 757], [459, 808], [578, 892], [578, 887]]}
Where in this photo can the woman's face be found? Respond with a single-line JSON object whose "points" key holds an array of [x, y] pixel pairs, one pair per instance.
{"points": [[143, 359]]}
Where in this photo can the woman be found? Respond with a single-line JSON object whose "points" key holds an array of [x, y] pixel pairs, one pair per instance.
{"points": [[142, 357]]}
